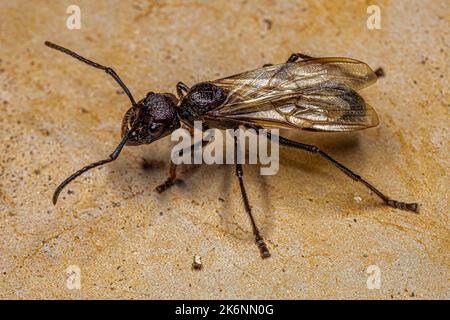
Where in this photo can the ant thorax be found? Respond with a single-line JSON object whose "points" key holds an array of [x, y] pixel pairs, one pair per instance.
{"points": [[200, 99]]}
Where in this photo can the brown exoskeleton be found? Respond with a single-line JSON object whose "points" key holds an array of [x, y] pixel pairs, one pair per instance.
{"points": [[304, 93]]}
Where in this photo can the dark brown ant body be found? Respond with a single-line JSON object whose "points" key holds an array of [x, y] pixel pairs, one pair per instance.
{"points": [[249, 99]]}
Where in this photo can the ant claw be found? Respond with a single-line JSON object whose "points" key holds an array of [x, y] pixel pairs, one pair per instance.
{"points": [[414, 207]]}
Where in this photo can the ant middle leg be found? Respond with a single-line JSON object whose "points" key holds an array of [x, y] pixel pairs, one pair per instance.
{"points": [[181, 87], [172, 179], [258, 238]]}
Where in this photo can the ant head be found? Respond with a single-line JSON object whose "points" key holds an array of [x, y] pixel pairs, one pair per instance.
{"points": [[150, 119]]}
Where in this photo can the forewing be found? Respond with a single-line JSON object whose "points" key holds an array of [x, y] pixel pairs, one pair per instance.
{"points": [[279, 81], [318, 94]]}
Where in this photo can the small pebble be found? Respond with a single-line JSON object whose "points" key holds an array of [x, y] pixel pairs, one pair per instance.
{"points": [[197, 264]]}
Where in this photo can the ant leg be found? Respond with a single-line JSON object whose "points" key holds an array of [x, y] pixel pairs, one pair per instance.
{"points": [[295, 56], [313, 149], [258, 239], [173, 167], [108, 70], [181, 86], [170, 180], [380, 72]]}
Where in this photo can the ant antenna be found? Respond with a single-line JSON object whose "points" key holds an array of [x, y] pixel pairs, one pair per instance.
{"points": [[113, 156], [108, 70]]}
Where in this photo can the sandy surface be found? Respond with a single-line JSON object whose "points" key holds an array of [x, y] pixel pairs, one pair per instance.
{"points": [[130, 242]]}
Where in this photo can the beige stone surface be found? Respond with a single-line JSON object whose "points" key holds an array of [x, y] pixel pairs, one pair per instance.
{"points": [[129, 242]]}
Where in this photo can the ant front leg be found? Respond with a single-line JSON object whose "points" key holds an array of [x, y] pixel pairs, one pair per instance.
{"points": [[258, 238], [172, 179], [181, 86]]}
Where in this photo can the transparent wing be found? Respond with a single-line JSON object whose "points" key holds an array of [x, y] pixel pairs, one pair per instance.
{"points": [[318, 94], [330, 109]]}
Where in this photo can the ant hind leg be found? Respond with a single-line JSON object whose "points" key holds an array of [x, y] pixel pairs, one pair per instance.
{"points": [[295, 56], [315, 150]]}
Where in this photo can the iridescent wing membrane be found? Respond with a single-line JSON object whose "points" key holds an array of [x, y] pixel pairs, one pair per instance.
{"points": [[317, 94]]}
